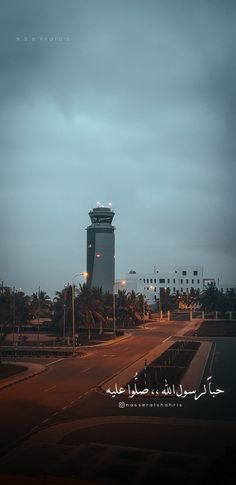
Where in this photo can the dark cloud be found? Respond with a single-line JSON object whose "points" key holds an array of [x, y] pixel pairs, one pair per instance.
{"points": [[132, 102]]}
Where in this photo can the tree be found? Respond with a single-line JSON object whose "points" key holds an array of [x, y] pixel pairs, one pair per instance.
{"points": [[189, 299], [168, 301], [211, 298], [62, 310], [40, 305], [89, 307]]}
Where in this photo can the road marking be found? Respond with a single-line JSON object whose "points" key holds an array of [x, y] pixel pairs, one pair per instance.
{"points": [[55, 414], [79, 397], [167, 338], [55, 361], [110, 355], [45, 420], [85, 370], [49, 389], [72, 402], [65, 407]]}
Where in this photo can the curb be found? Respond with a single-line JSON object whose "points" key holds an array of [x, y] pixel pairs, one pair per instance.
{"points": [[109, 342], [157, 351], [21, 379]]}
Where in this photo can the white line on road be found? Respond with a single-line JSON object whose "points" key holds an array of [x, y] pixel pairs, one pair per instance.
{"points": [[72, 402], [55, 361], [49, 389], [45, 420], [85, 370], [55, 414], [168, 338], [65, 407], [110, 355]]}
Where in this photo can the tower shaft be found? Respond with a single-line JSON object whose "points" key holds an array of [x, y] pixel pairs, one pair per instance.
{"points": [[101, 249]]}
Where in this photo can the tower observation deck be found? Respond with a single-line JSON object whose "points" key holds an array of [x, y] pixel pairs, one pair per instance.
{"points": [[101, 249]]}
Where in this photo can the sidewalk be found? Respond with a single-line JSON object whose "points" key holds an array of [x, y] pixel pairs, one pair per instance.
{"points": [[32, 370]]}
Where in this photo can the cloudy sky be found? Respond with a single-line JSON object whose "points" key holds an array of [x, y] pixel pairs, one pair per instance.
{"points": [[120, 101]]}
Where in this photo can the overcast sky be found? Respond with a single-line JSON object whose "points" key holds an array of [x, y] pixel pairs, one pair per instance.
{"points": [[132, 102]]}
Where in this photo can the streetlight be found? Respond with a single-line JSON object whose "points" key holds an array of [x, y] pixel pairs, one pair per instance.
{"points": [[73, 307], [64, 311], [160, 305]]}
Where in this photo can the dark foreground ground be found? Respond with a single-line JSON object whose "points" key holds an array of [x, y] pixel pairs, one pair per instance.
{"points": [[78, 434]]}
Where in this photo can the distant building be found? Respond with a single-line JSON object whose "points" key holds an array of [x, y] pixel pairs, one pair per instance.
{"points": [[178, 279], [226, 287], [101, 249]]}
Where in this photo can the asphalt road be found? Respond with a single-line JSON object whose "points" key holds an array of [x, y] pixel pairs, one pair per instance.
{"points": [[62, 389]]}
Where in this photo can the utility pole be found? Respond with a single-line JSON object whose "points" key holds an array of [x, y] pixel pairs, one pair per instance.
{"points": [[38, 310], [14, 315], [114, 310]]}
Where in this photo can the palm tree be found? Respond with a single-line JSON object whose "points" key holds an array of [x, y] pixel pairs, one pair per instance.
{"points": [[211, 298], [88, 306]]}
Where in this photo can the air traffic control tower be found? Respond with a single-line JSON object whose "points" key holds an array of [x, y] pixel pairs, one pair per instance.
{"points": [[101, 249]]}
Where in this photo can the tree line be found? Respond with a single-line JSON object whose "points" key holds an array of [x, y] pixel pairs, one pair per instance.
{"points": [[93, 308]]}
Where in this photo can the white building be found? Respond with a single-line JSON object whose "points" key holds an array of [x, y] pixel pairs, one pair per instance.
{"points": [[175, 278]]}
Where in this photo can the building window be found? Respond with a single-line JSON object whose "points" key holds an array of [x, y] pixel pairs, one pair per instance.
{"points": [[184, 273], [186, 282], [173, 290], [155, 280], [168, 280], [181, 281], [192, 282], [147, 280], [147, 287], [144, 280], [155, 289], [162, 280], [181, 289], [176, 271], [198, 282], [195, 273], [151, 280], [173, 280]]}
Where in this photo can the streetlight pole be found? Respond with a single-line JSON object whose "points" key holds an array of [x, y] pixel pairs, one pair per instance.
{"points": [[73, 307], [14, 315], [64, 323], [73, 315], [160, 304], [114, 310], [38, 310], [143, 309]]}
